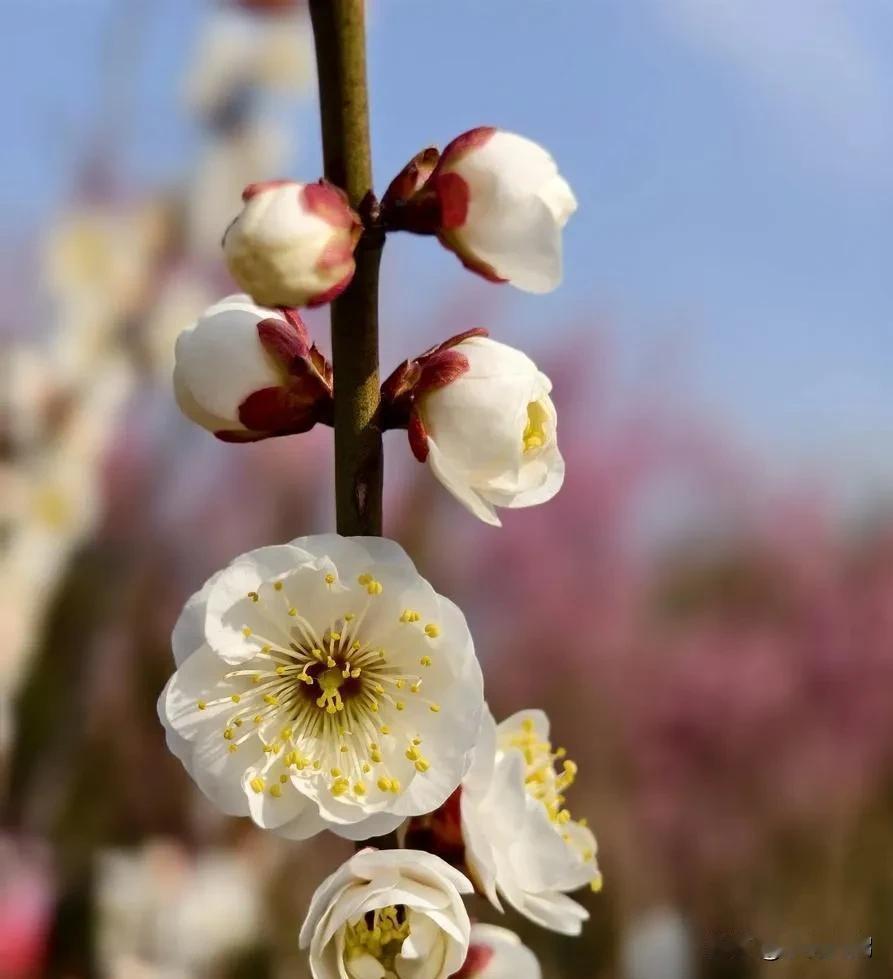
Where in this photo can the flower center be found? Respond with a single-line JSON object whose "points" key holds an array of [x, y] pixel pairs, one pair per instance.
{"points": [[329, 705], [534, 436], [379, 934]]}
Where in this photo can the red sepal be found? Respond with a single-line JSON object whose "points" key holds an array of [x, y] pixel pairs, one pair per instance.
{"points": [[452, 195], [418, 436], [330, 203], [302, 399], [279, 411], [440, 832], [284, 339], [401, 207], [436, 367]]}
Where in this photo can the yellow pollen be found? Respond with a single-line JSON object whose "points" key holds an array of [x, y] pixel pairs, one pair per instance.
{"points": [[400, 684], [400, 705], [422, 765], [330, 579], [257, 784], [425, 661], [385, 729], [534, 435], [276, 791], [384, 784], [246, 631], [277, 585], [434, 708], [280, 670], [229, 734], [596, 884], [340, 786], [432, 630], [375, 756], [374, 588], [359, 789], [253, 595], [283, 778], [257, 718], [349, 617], [202, 705], [292, 611], [271, 700], [235, 698]]}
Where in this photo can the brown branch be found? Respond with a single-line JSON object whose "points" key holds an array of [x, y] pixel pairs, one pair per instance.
{"points": [[340, 35]]}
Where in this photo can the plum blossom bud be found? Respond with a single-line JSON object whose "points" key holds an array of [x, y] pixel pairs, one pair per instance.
{"points": [[479, 413], [292, 244], [497, 200], [497, 953], [388, 913], [245, 373]]}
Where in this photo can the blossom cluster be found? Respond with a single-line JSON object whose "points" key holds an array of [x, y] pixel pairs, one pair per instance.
{"points": [[324, 684]]}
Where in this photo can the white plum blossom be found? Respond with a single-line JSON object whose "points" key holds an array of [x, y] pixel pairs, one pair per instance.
{"points": [[489, 433], [323, 684], [388, 914], [497, 953], [520, 840], [246, 372], [502, 205], [292, 244]]}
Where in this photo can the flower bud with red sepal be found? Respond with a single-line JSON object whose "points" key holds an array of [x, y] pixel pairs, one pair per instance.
{"points": [[248, 372], [293, 244]]}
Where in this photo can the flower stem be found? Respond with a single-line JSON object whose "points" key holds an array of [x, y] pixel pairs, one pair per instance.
{"points": [[340, 35]]}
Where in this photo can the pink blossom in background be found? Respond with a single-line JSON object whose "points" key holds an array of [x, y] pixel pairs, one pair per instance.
{"points": [[26, 900]]}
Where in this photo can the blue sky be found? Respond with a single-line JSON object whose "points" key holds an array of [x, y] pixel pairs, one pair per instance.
{"points": [[733, 162]]}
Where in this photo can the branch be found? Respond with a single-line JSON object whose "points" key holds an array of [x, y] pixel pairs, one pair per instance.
{"points": [[340, 36]]}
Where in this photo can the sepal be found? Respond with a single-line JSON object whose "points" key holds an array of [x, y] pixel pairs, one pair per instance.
{"points": [[433, 369]]}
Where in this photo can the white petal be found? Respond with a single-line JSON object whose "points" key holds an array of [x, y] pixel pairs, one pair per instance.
{"points": [[189, 631], [459, 487]]}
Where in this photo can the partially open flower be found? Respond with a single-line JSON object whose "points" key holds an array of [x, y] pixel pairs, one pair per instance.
{"points": [[323, 684], [246, 373], [520, 840], [479, 413], [498, 201], [292, 244], [497, 953], [388, 914]]}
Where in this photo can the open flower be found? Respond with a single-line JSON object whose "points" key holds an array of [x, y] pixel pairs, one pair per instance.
{"points": [[520, 840], [323, 684], [497, 953], [494, 198], [479, 413], [388, 914], [245, 372], [292, 244]]}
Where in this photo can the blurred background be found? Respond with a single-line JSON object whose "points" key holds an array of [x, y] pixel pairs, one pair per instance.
{"points": [[713, 586]]}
